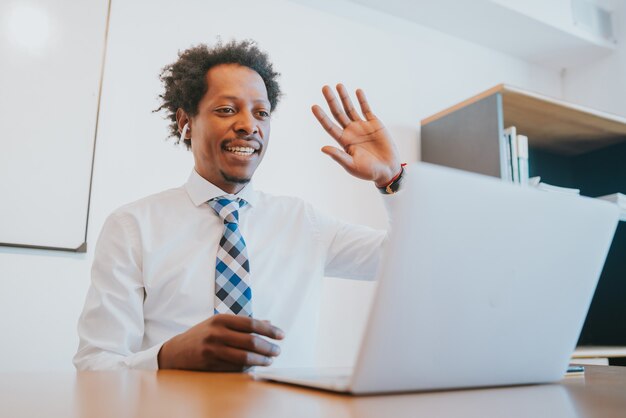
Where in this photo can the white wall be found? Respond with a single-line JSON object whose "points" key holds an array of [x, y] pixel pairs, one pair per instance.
{"points": [[408, 72], [602, 84]]}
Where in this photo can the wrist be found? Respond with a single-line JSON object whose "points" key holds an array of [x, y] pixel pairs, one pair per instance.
{"points": [[388, 178], [392, 185], [164, 358]]}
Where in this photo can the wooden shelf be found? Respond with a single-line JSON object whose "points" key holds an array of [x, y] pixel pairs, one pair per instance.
{"points": [[551, 124]]}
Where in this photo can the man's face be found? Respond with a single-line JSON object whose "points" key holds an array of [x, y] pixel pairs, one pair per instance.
{"points": [[230, 133]]}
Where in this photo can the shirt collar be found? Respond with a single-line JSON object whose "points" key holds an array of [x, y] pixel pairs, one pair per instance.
{"points": [[201, 190]]}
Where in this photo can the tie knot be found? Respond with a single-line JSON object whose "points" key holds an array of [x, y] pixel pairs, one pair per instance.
{"points": [[227, 207]]}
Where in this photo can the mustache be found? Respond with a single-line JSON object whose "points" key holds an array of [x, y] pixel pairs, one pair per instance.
{"points": [[244, 138], [248, 137]]}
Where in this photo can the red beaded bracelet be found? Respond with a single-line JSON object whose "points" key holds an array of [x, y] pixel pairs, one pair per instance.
{"points": [[394, 184]]}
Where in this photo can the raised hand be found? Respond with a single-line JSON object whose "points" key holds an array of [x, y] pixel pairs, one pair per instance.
{"points": [[367, 150]]}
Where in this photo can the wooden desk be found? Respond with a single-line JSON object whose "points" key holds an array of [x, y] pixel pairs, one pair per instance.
{"points": [[600, 393]]}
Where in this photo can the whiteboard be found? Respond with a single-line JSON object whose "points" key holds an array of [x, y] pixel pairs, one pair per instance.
{"points": [[51, 66]]}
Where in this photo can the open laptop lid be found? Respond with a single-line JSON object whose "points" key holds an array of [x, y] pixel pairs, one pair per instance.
{"points": [[483, 283]]}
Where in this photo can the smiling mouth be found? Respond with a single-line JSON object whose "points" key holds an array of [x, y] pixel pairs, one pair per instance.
{"points": [[241, 151]]}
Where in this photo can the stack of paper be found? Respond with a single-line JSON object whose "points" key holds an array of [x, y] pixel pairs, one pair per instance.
{"points": [[620, 200], [536, 182]]}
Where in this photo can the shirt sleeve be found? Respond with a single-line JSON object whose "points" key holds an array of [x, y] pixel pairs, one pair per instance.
{"points": [[111, 326], [354, 251]]}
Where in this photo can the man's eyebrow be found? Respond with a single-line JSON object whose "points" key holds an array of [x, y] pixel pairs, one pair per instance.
{"points": [[236, 98]]}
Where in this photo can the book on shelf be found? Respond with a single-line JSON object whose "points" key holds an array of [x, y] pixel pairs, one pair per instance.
{"points": [[505, 158], [522, 159], [514, 156], [510, 135]]}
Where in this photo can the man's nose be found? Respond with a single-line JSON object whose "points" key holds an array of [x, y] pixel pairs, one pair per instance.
{"points": [[246, 124]]}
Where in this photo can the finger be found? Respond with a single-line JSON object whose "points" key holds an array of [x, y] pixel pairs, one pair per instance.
{"points": [[332, 129], [241, 357], [343, 158], [365, 107], [335, 108], [250, 326], [347, 103], [252, 343]]}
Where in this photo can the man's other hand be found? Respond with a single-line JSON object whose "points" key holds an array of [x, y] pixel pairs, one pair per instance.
{"points": [[225, 343]]}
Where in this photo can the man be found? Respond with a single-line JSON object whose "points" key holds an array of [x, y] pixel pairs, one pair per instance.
{"points": [[191, 277]]}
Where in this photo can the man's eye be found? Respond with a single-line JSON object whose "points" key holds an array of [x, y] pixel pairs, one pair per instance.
{"points": [[225, 110], [264, 114]]}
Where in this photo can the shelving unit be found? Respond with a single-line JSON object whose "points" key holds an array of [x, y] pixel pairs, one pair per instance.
{"points": [[569, 146]]}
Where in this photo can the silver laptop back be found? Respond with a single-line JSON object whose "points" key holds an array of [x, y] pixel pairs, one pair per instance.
{"points": [[483, 283]]}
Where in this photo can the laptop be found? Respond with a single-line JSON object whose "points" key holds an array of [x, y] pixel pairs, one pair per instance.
{"points": [[482, 283]]}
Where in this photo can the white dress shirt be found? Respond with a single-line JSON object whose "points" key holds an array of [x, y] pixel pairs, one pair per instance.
{"points": [[154, 270]]}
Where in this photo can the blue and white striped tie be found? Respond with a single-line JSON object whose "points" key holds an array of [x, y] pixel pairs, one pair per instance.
{"points": [[232, 267]]}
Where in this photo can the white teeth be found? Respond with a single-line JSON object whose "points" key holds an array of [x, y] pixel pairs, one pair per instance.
{"points": [[243, 151]]}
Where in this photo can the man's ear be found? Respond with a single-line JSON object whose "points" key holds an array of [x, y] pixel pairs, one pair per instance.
{"points": [[181, 120]]}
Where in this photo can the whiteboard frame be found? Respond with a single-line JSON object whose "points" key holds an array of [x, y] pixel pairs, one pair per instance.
{"points": [[82, 248]]}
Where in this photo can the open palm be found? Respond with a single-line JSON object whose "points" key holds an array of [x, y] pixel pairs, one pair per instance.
{"points": [[368, 152]]}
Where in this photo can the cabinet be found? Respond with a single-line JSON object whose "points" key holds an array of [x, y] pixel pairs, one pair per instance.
{"points": [[569, 146]]}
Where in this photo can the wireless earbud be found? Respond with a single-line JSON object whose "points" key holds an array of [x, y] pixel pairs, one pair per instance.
{"points": [[183, 133]]}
